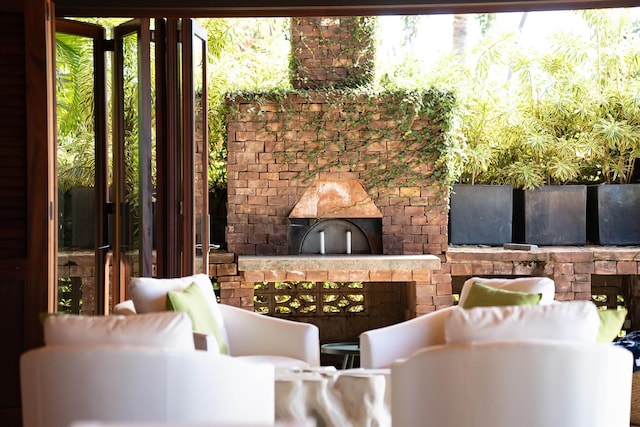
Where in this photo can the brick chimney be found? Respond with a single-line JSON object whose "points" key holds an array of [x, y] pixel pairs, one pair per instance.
{"points": [[332, 52]]}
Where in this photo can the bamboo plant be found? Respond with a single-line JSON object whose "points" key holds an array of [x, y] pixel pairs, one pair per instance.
{"points": [[568, 114]]}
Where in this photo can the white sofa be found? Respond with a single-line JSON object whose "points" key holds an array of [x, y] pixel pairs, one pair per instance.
{"points": [[138, 369], [379, 348], [247, 335], [517, 383]]}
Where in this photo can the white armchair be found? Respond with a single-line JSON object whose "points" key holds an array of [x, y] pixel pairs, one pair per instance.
{"points": [[248, 335], [517, 383], [142, 369], [379, 348]]}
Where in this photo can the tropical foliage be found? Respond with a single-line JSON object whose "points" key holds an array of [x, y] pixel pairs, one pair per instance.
{"points": [[245, 55], [566, 113], [74, 81], [569, 113]]}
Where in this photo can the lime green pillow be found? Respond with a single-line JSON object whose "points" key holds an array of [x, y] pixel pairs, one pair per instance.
{"points": [[481, 295], [191, 300], [611, 322]]}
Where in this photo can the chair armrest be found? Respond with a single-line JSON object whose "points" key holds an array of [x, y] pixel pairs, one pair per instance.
{"points": [[379, 348], [250, 334]]}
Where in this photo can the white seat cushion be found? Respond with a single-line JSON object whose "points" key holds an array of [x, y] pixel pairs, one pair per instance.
{"points": [[276, 361]]}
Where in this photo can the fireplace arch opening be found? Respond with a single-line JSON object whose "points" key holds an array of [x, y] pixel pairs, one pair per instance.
{"points": [[335, 236]]}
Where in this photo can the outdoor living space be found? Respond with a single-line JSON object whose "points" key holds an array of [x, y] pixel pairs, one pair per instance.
{"points": [[285, 216]]}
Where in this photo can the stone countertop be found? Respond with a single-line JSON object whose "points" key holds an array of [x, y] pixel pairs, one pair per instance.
{"points": [[338, 262]]}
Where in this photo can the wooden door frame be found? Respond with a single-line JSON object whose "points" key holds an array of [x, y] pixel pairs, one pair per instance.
{"points": [[188, 31], [290, 8], [168, 187], [39, 270]]}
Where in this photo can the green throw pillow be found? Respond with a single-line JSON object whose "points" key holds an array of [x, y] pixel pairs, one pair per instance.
{"points": [[611, 322], [481, 295], [191, 300]]}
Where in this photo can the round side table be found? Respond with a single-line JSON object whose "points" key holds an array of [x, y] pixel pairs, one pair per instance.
{"points": [[350, 350]]}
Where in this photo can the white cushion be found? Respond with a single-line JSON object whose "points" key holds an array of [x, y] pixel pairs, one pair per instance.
{"points": [[530, 285], [165, 330], [568, 321], [125, 307], [150, 294]]}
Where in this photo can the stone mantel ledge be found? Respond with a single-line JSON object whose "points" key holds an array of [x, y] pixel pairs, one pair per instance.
{"points": [[338, 262]]}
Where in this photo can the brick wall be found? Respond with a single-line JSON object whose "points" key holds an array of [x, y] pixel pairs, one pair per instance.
{"points": [[571, 268], [269, 168], [578, 273]]}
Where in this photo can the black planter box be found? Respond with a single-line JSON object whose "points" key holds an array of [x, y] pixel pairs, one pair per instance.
{"points": [[480, 215], [553, 215], [613, 214], [83, 204]]}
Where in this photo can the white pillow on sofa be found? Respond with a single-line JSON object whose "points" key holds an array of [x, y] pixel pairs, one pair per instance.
{"points": [[166, 330], [149, 294], [566, 321]]}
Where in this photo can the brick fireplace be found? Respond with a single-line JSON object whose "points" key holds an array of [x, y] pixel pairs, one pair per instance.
{"points": [[282, 145], [267, 158]]}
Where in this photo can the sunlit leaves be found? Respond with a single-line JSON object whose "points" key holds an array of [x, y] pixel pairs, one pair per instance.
{"points": [[572, 108]]}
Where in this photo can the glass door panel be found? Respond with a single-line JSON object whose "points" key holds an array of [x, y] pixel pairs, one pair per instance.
{"points": [[83, 249], [111, 188], [132, 155], [197, 140]]}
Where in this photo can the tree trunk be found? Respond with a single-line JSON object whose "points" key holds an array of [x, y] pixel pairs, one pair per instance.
{"points": [[459, 34]]}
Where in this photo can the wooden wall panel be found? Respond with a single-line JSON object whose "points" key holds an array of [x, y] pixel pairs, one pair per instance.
{"points": [[27, 178], [13, 171], [12, 333], [13, 211]]}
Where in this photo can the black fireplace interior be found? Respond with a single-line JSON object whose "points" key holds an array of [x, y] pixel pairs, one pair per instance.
{"points": [[334, 236]]}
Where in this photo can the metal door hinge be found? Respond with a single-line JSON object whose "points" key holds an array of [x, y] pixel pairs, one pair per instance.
{"points": [[109, 45]]}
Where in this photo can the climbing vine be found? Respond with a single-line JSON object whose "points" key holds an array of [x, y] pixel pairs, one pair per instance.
{"points": [[390, 139]]}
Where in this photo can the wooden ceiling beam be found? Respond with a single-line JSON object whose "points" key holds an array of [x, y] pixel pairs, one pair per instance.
{"points": [[284, 8]]}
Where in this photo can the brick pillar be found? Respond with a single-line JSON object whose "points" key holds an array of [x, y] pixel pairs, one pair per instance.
{"points": [[331, 52]]}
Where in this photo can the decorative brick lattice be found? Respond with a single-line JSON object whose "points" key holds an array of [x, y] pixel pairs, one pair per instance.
{"points": [[309, 298]]}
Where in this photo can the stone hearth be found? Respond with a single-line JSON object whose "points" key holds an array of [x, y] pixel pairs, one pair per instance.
{"points": [[393, 287]]}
